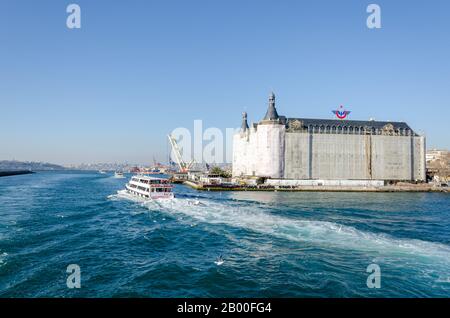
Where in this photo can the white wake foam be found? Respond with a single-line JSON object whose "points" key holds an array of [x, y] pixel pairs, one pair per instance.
{"points": [[122, 194], [3, 258], [254, 218]]}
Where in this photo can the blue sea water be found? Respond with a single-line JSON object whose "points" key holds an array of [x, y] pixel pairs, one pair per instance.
{"points": [[274, 244]]}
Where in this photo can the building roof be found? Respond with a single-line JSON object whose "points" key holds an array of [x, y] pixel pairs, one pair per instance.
{"points": [[271, 113], [306, 122]]}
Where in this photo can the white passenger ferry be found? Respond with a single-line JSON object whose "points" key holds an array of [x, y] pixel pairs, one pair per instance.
{"points": [[149, 187], [119, 175]]}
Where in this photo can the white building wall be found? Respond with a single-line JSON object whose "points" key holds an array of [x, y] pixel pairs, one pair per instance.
{"points": [[245, 153], [270, 150], [240, 160]]}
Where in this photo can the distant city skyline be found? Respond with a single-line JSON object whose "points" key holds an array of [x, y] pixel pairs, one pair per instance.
{"points": [[112, 90]]}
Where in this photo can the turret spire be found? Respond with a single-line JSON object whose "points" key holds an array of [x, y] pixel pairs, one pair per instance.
{"points": [[244, 125], [271, 113]]}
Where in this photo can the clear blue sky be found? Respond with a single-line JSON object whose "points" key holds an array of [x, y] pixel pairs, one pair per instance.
{"points": [[112, 90]]}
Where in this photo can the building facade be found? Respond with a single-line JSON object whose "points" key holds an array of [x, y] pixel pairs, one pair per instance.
{"points": [[301, 148]]}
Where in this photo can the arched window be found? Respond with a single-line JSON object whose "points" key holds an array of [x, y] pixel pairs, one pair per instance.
{"points": [[322, 129]]}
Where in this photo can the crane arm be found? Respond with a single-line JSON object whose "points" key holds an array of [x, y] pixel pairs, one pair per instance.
{"points": [[177, 153]]}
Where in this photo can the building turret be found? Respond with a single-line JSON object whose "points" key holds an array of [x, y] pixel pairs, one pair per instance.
{"points": [[244, 125], [271, 113], [270, 143]]}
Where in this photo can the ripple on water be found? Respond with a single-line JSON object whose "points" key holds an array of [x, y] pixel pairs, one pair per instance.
{"points": [[273, 244]]}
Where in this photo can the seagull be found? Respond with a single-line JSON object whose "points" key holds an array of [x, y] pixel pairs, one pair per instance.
{"points": [[219, 260], [195, 202]]}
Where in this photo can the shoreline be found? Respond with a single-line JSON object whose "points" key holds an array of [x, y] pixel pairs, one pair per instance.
{"points": [[7, 173], [391, 188]]}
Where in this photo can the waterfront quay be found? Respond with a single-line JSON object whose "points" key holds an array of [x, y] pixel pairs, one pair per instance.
{"points": [[399, 187]]}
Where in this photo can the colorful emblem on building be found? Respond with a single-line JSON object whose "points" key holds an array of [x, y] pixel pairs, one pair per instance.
{"points": [[341, 113]]}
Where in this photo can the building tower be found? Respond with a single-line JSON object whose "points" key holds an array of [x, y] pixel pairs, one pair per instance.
{"points": [[271, 113], [244, 126], [270, 143]]}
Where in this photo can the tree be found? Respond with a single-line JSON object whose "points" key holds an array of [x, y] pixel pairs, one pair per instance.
{"points": [[218, 171]]}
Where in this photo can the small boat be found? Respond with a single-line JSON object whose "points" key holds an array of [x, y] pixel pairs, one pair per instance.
{"points": [[150, 171], [102, 171], [149, 187], [118, 175]]}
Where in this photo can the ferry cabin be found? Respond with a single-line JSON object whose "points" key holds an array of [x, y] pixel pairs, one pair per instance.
{"points": [[149, 187]]}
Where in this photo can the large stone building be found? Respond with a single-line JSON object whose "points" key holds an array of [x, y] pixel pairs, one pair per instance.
{"points": [[301, 148]]}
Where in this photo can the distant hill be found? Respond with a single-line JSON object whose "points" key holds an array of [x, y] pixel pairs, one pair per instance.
{"points": [[28, 165]]}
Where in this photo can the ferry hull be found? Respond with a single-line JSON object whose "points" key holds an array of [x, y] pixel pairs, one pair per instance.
{"points": [[146, 195]]}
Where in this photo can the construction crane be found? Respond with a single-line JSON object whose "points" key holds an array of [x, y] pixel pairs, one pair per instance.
{"points": [[184, 167]]}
